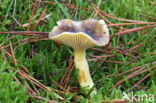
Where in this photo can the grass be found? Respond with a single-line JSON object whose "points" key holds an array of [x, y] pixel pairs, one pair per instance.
{"points": [[48, 63]]}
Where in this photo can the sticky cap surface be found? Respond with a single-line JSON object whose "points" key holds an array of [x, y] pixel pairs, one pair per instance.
{"points": [[81, 34]]}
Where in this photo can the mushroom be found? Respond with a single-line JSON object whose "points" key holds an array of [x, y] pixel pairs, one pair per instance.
{"points": [[81, 35]]}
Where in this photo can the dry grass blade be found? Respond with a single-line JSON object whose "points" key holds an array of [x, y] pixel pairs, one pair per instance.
{"points": [[25, 69], [130, 76], [12, 53], [39, 19], [33, 33], [119, 62], [34, 8], [126, 54], [140, 81], [133, 30], [42, 98], [64, 89], [35, 89], [97, 11], [26, 41], [4, 50], [135, 47], [151, 17], [99, 50], [17, 79], [110, 25], [99, 57], [30, 90], [15, 62], [71, 63], [68, 5], [7, 40], [25, 76], [68, 76], [108, 15], [136, 68], [23, 40], [121, 19], [117, 101]]}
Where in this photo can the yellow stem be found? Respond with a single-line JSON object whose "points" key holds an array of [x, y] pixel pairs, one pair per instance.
{"points": [[81, 64]]}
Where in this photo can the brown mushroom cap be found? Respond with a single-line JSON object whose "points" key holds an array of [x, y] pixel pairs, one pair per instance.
{"points": [[82, 34]]}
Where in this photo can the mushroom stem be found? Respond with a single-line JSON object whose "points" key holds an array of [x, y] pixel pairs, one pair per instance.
{"points": [[81, 64]]}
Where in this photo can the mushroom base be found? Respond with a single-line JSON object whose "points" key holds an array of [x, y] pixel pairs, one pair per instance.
{"points": [[81, 64]]}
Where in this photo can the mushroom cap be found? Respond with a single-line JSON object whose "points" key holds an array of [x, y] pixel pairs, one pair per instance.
{"points": [[81, 34]]}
